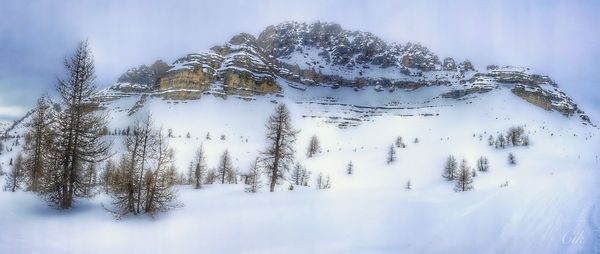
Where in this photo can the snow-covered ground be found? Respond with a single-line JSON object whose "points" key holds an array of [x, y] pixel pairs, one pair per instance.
{"points": [[549, 206]]}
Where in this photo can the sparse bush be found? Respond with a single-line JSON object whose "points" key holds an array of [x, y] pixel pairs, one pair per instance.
{"points": [[350, 168], [511, 159], [399, 143]]}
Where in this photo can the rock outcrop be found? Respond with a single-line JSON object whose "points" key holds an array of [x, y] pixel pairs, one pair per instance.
{"points": [[326, 54]]}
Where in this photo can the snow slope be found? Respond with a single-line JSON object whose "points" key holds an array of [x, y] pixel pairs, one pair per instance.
{"points": [[551, 198]]}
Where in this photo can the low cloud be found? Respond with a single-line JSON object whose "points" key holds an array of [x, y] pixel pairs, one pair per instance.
{"points": [[11, 112]]}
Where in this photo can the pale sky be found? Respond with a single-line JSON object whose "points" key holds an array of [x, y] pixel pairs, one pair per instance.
{"points": [[556, 38]]}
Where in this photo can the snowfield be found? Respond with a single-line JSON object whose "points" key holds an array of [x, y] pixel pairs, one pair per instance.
{"points": [[551, 203]]}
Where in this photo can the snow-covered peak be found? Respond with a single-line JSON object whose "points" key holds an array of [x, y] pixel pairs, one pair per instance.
{"points": [[324, 54]]}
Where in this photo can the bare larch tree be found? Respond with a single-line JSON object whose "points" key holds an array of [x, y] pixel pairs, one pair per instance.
{"points": [[15, 177], [38, 142], [483, 164], [281, 136], [79, 140], [199, 167], [450, 168], [225, 169], [254, 181], [464, 178], [391, 155], [314, 146]]}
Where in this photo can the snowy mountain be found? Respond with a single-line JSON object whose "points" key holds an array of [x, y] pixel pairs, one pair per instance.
{"points": [[358, 94], [4, 125], [324, 54]]}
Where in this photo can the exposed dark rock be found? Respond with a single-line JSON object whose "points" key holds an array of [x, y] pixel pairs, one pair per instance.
{"points": [[145, 75], [449, 64]]}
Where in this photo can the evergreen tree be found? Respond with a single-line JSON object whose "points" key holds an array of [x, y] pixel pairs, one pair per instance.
{"points": [[281, 137]]}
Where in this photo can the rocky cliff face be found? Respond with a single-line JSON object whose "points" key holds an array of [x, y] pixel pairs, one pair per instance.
{"points": [[325, 54], [145, 77]]}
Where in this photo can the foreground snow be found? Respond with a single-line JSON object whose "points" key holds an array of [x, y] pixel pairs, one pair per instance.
{"points": [[550, 205]]}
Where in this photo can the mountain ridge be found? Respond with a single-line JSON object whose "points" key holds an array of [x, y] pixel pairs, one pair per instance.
{"points": [[305, 55]]}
